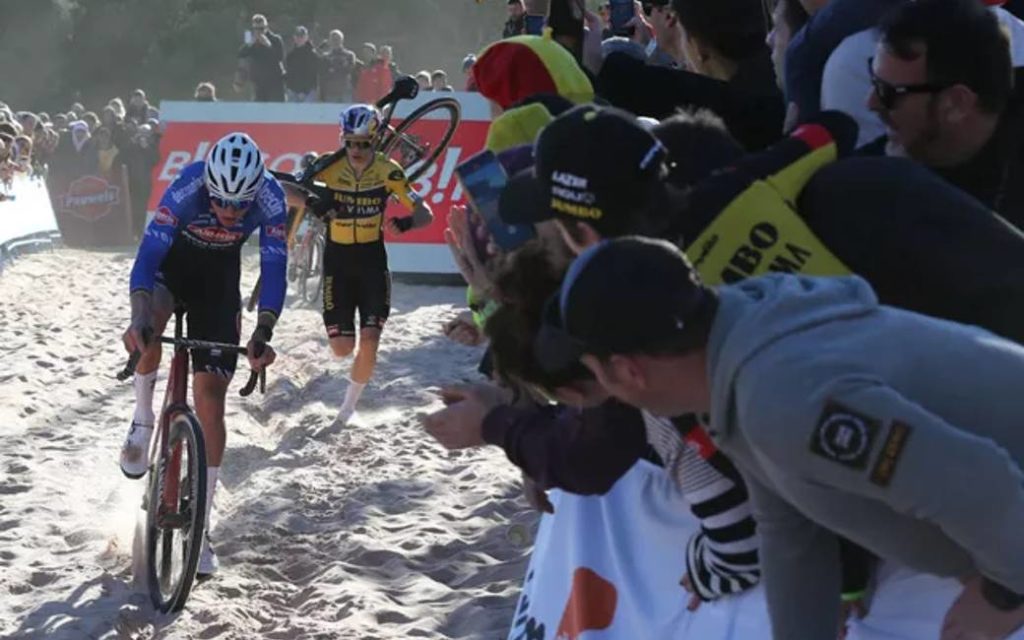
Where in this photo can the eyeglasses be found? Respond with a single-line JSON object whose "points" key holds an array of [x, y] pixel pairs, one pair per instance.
{"points": [[889, 94], [225, 203], [359, 144]]}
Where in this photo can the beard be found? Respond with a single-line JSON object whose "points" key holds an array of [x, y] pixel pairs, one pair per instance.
{"points": [[922, 146]]}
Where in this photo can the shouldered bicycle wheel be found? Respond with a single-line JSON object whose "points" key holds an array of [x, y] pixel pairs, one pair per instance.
{"points": [[422, 137]]}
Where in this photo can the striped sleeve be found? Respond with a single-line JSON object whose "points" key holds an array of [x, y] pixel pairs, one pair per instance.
{"points": [[722, 558]]}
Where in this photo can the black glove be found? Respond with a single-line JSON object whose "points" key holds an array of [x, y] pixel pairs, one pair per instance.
{"points": [[260, 337], [320, 207], [403, 224]]}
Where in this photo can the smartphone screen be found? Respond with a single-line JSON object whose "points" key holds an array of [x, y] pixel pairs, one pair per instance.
{"points": [[622, 11], [483, 178], [535, 25], [247, 37]]}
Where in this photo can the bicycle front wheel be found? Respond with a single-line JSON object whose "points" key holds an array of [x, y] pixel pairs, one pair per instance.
{"points": [[419, 141], [176, 514]]}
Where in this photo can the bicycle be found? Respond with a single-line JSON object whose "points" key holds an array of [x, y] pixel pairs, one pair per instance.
{"points": [[175, 499], [409, 144], [308, 271]]}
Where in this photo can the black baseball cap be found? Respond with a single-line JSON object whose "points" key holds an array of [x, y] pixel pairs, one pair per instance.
{"points": [[594, 164], [627, 295]]}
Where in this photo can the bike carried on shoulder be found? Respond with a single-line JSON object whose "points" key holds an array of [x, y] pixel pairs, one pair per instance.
{"points": [[175, 498], [415, 145]]}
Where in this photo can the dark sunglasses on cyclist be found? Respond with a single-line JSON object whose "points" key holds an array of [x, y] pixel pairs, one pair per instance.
{"points": [[889, 94], [226, 203], [359, 144]]}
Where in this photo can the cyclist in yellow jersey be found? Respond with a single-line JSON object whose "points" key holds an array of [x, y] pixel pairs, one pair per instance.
{"points": [[355, 266]]}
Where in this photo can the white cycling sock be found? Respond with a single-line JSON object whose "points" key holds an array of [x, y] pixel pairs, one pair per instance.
{"points": [[144, 384], [355, 389], [211, 487]]}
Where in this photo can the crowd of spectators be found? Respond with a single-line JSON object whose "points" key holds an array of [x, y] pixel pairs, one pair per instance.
{"points": [[121, 139], [888, 135], [300, 71]]}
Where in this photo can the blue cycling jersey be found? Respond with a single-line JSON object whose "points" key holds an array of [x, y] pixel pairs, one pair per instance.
{"points": [[185, 217]]}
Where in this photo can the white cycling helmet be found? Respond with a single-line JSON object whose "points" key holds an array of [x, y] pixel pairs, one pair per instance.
{"points": [[234, 168], [360, 120]]}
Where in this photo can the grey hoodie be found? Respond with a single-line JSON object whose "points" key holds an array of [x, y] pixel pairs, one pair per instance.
{"points": [[901, 432]]}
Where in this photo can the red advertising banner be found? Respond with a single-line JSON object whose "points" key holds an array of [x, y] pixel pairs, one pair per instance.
{"points": [[92, 210], [285, 132]]}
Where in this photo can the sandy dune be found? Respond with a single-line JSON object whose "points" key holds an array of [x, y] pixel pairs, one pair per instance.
{"points": [[370, 531]]}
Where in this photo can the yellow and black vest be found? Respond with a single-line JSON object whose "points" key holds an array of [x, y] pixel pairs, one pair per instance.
{"points": [[755, 227]]}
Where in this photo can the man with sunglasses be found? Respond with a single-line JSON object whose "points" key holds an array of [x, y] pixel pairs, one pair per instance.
{"points": [[943, 85], [191, 255], [356, 276]]}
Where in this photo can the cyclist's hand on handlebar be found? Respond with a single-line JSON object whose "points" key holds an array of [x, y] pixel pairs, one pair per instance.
{"points": [[137, 337], [260, 354]]}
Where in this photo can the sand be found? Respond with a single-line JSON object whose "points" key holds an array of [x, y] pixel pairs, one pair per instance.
{"points": [[366, 531]]}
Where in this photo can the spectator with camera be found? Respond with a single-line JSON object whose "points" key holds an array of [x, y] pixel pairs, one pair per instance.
{"points": [[262, 62]]}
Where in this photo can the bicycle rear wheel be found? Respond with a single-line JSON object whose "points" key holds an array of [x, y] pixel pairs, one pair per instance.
{"points": [[313, 283], [422, 137], [176, 514]]}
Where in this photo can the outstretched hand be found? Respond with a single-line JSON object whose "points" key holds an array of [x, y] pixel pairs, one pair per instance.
{"points": [[459, 237], [464, 330], [460, 424]]}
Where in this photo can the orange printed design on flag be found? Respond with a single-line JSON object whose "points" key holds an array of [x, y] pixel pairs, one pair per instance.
{"points": [[590, 607]]}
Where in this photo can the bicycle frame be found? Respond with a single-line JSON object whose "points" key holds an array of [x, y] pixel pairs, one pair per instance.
{"points": [[175, 401]]}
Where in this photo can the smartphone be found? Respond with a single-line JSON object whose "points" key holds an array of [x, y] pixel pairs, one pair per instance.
{"points": [[535, 25], [483, 179], [247, 37], [621, 12]]}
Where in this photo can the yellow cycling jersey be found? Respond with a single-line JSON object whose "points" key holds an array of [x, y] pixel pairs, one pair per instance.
{"points": [[758, 229], [360, 201]]}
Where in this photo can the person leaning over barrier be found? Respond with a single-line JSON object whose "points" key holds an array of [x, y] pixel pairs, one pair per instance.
{"points": [[845, 417]]}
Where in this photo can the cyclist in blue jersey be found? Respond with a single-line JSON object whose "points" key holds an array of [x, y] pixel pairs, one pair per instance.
{"points": [[191, 254]]}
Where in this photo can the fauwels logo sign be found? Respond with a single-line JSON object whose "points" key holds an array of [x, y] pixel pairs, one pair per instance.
{"points": [[90, 198]]}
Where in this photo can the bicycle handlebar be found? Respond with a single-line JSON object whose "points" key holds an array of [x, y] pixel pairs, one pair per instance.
{"points": [[255, 377]]}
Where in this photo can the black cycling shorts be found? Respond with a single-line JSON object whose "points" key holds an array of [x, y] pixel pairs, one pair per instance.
{"points": [[208, 287], [344, 292], [351, 285]]}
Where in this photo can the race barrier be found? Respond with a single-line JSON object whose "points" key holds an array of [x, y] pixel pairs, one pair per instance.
{"points": [[609, 567], [285, 132], [93, 210], [26, 218]]}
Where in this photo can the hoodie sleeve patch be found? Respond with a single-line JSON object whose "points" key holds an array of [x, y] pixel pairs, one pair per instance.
{"points": [[844, 436]]}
